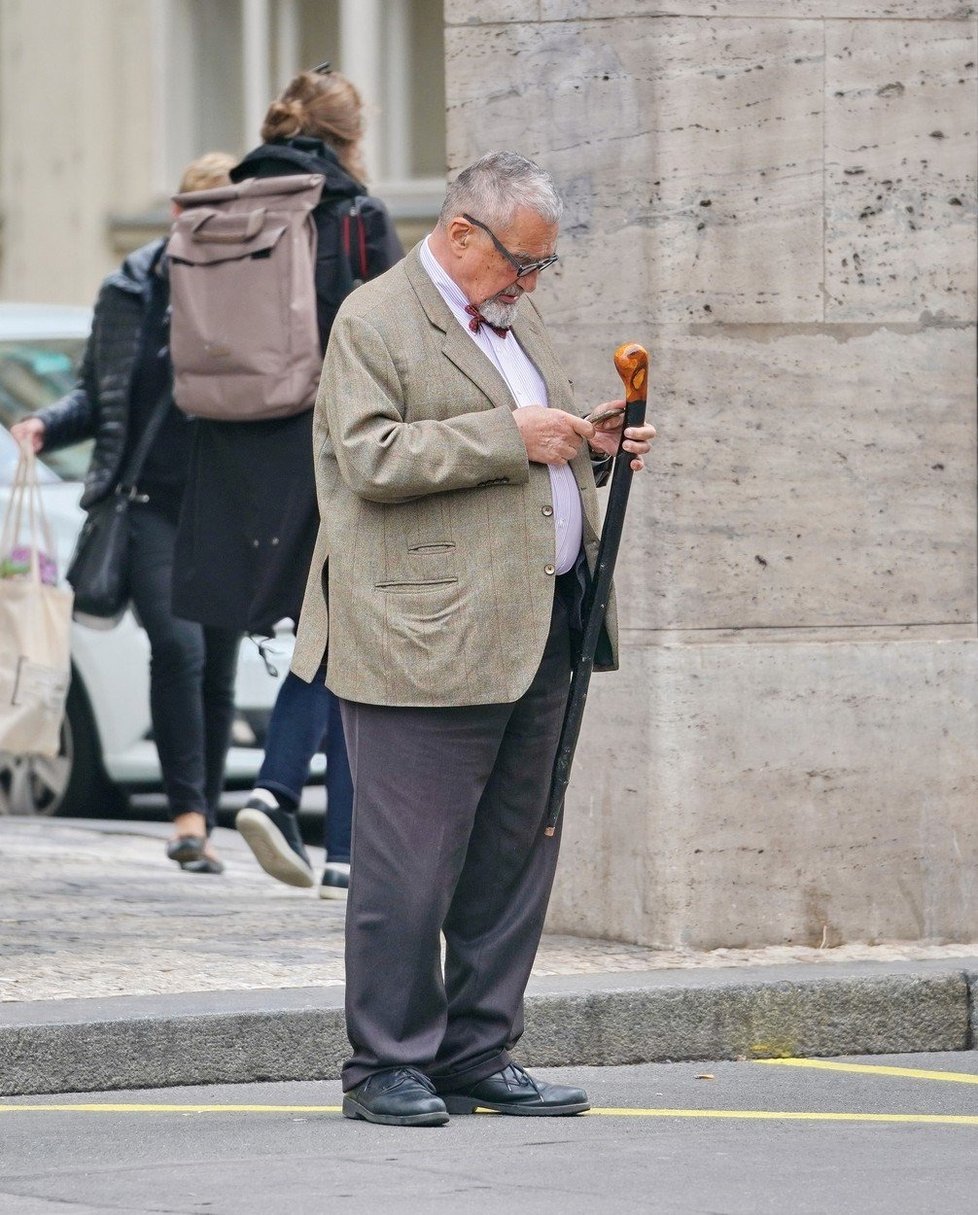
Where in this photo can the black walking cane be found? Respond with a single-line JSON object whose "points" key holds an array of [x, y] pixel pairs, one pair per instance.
{"points": [[632, 363]]}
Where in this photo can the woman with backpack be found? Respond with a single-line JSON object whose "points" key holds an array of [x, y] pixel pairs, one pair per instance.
{"points": [[250, 516]]}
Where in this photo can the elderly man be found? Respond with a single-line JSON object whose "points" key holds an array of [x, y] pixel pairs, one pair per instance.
{"points": [[459, 520]]}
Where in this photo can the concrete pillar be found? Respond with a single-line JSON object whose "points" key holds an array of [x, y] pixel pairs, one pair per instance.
{"points": [[361, 59], [256, 59], [780, 206], [56, 177], [287, 43], [396, 119]]}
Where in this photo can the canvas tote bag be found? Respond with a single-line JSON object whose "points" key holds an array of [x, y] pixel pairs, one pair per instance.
{"points": [[35, 623]]}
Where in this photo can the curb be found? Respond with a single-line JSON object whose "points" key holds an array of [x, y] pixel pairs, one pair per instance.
{"points": [[134, 1043]]}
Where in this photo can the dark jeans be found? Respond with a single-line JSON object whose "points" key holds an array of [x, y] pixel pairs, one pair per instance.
{"points": [[306, 719], [191, 674]]}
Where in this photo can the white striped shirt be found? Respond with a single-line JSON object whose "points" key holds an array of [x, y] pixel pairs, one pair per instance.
{"points": [[527, 387]]}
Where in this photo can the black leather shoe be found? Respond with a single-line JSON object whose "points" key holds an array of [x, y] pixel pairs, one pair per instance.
{"points": [[514, 1091], [273, 836], [400, 1096], [206, 864], [185, 848]]}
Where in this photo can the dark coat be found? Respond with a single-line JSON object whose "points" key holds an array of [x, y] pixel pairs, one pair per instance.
{"points": [[249, 520], [98, 406]]}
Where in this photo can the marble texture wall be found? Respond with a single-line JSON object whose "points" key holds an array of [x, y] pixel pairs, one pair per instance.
{"points": [[778, 201]]}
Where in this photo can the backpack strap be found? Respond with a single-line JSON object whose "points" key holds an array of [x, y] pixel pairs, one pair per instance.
{"points": [[354, 239]]}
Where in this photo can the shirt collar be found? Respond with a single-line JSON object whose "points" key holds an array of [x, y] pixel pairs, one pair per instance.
{"points": [[449, 290]]}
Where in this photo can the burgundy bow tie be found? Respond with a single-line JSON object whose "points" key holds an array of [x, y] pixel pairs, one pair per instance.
{"points": [[478, 319]]}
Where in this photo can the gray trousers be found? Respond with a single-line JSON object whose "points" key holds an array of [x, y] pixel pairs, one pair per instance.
{"points": [[448, 817]]}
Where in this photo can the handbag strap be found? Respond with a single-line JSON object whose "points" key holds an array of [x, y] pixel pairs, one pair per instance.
{"points": [[134, 465]]}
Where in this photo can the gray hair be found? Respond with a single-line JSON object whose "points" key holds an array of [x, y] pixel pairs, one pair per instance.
{"points": [[496, 186]]}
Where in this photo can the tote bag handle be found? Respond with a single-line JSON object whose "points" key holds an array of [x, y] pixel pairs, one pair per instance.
{"points": [[26, 499]]}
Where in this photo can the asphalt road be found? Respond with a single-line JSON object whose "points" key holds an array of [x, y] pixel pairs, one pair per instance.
{"points": [[806, 1137]]}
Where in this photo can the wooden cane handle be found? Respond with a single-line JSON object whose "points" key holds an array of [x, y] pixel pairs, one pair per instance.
{"points": [[632, 364]]}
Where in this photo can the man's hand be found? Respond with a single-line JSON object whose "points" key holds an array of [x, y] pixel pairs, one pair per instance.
{"points": [[607, 434], [551, 436], [30, 430]]}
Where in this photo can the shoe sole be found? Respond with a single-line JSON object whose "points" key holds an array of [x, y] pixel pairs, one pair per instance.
{"points": [[332, 892], [465, 1105], [271, 850], [353, 1109]]}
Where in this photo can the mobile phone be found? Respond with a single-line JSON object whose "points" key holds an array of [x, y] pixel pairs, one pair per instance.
{"points": [[604, 414]]}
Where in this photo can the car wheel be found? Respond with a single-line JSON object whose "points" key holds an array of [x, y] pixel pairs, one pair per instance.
{"points": [[71, 782]]}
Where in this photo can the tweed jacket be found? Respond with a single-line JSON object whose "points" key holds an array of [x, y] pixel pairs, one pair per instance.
{"points": [[433, 576]]}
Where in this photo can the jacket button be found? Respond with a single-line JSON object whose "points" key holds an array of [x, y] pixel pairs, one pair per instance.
{"points": [[548, 511], [549, 569]]}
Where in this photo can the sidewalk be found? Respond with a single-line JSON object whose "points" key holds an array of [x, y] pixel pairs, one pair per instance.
{"points": [[118, 970]]}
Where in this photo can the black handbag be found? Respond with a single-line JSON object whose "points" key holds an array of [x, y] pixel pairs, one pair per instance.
{"points": [[99, 567]]}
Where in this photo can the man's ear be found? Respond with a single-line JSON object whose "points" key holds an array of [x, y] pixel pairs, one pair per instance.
{"points": [[459, 231]]}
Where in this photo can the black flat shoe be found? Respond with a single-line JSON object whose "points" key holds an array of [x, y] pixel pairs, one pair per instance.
{"points": [[186, 848], [514, 1091], [401, 1096], [206, 864]]}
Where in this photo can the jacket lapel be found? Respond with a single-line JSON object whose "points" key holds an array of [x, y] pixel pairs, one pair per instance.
{"points": [[529, 331], [532, 336], [458, 347]]}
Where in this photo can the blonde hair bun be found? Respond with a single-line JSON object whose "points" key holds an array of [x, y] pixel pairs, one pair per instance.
{"points": [[327, 107]]}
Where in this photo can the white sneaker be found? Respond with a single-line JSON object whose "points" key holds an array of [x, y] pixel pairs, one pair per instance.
{"points": [[273, 836], [336, 879]]}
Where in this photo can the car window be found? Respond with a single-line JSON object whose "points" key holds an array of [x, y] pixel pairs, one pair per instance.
{"points": [[34, 373]]}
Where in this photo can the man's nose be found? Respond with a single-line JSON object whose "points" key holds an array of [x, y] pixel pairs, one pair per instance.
{"points": [[529, 280]]}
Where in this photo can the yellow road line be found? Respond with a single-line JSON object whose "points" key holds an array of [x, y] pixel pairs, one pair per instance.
{"points": [[796, 1116], [750, 1115], [872, 1069]]}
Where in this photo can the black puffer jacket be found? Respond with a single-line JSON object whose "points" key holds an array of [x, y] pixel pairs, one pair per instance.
{"points": [[98, 406]]}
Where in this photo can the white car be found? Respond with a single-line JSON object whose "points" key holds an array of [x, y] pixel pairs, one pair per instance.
{"points": [[106, 743]]}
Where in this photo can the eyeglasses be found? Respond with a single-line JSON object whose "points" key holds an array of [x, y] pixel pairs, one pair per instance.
{"points": [[522, 268]]}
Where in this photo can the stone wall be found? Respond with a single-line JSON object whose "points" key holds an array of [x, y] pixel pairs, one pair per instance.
{"points": [[76, 140], [782, 209]]}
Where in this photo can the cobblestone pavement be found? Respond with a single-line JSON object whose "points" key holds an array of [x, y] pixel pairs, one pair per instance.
{"points": [[92, 908]]}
